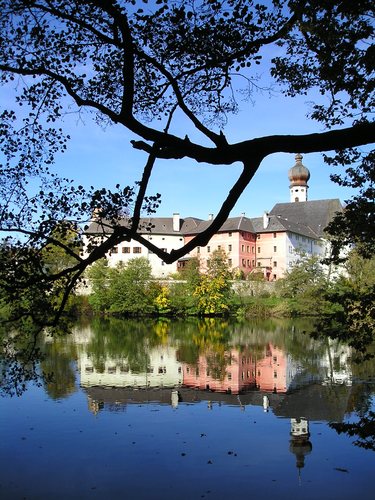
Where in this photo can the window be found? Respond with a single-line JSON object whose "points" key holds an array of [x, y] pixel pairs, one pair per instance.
{"points": [[248, 262], [248, 249], [275, 374], [198, 249], [243, 262], [179, 369], [137, 249], [229, 248], [258, 264], [230, 262], [242, 248], [274, 235], [229, 376], [219, 247], [258, 236], [252, 249], [275, 249], [274, 277], [208, 249], [274, 263], [114, 250], [125, 249], [229, 234], [253, 263], [258, 249]]}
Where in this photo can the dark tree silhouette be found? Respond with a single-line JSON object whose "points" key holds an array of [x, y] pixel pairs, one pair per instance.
{"points": [[138, 65]]}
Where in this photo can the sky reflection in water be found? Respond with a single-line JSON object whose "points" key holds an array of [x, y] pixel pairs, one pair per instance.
{"points": [[188, 410]]}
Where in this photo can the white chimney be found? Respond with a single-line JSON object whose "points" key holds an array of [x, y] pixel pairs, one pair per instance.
{"points": [[266, 220], [176, 222], [210, 216]]}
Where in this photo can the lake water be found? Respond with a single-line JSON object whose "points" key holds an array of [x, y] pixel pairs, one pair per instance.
{"points": [[188, 410]]}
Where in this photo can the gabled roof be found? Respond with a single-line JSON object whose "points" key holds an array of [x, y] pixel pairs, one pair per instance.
{"points": [[313, 215], [307, 218], [278, 224], [232, 224]]}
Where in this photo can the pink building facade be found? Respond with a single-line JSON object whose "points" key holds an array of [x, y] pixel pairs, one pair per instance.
{"points": [[234, 376], [236, 238], [240, 371]]}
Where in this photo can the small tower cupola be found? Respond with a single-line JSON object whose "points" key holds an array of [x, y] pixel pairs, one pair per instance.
{"points": [[298, 177]]}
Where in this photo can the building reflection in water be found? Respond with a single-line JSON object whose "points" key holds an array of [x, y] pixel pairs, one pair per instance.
{"points": [[270, 378], [267, 377], [300, 444]]}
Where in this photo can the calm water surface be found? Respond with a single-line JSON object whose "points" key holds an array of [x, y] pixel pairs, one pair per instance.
{"points": [[187, 410]]}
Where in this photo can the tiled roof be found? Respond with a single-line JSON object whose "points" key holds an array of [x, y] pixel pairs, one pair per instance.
{"points": [[313, 215], [308, 218], [154, 225], [278, 224], [232, 224]]}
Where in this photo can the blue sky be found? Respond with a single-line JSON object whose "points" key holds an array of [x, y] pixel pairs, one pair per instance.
{"points": [[105, 157]]}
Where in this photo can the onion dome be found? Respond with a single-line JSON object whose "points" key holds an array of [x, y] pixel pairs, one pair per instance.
{"points": [[299, 174]]}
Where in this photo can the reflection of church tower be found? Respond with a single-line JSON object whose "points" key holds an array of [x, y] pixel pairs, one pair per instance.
{"points": [[300, 445], [298, 176]]}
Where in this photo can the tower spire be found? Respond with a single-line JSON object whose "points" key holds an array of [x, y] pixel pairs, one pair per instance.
{"points": [[298, 177]]}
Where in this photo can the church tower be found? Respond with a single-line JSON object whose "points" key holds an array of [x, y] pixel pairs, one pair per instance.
{"points": [[298, 177]]}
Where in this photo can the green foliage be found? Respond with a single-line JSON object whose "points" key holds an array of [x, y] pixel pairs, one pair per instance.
{"points": [[356, 225], [213, 292], [351, 317], [304, 286], [125, 289], [191, 273], [99, 275], [129, 289]]}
